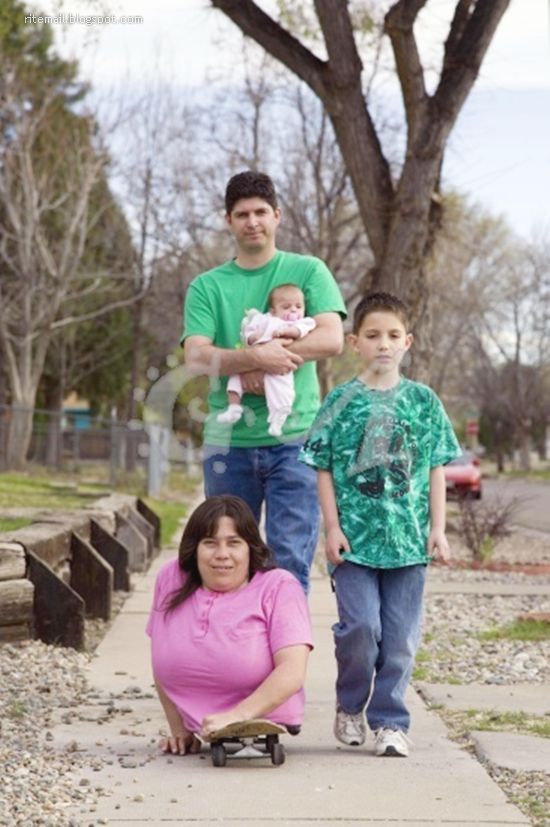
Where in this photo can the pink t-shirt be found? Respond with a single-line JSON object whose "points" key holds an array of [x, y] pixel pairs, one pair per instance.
{"points": [[216, 648]]}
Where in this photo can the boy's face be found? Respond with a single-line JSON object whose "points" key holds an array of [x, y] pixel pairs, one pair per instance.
{"points": [[288, 304], [253, 223], [381, 342]]}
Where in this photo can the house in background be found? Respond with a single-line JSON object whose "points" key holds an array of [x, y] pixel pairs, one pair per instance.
{"points": [[76, 413]]}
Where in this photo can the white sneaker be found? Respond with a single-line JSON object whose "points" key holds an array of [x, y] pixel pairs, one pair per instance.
{"points": [[391, 742], [231, 414], [350, 729]]}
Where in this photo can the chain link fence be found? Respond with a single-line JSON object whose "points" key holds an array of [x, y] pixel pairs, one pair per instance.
{"points": [[66, 439]]}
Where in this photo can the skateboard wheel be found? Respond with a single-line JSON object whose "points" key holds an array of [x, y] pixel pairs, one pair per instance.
{"points": [[270, 742], [219, 755], [277, 754]]}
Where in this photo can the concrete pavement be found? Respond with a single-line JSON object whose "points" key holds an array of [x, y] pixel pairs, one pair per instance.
{"points": [[320, 783]]}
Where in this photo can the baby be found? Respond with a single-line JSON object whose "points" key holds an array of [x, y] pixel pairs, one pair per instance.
{"points": [[285, 319]]}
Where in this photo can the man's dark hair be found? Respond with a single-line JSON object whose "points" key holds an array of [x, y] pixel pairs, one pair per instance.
{"points": [[250, 184], [379, 302]]}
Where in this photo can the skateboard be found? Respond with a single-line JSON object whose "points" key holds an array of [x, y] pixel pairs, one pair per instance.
{"points": [[258, 738]]}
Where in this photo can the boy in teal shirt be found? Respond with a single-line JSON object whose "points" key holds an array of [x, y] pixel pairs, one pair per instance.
{"points": [[379, 444]]}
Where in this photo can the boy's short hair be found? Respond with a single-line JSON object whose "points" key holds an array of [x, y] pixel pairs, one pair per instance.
{"points": [[250, 184], [285, 286], [379, 302]]}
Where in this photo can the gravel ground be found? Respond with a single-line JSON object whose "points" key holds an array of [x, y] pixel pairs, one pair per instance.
{"points": [[38, 782], [40, 684], [451, 652]]}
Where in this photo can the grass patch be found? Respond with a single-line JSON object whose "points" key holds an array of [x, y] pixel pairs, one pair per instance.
{"points": [[493, 721], [17, 710], [13, 523], [542, 474], [536, 807], [56, 490], [532, 798], [518, 630], [170, 514], [26, 491]]}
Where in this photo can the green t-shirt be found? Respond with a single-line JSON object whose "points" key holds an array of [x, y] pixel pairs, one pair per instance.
{"points": [[379, 447], [215, 303]]}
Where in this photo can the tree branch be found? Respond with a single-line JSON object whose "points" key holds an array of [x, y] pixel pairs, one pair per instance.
{"points": [[97, 313], [276, 40], [344, 61], [473, 26], [398, 25]]}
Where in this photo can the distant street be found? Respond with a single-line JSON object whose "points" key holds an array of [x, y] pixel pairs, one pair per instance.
{"points": [[534, 508]]}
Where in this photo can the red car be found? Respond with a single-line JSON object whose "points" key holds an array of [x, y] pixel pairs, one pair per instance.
{"points": [[463, 476]]}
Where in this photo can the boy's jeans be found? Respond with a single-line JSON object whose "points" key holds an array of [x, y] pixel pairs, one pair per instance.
{"points": [[289, 488], [376, 639]]}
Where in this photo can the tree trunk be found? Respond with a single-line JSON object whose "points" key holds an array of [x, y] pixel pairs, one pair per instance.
{"points": [[20, 433], [132, 436], [54, 404], [399, 218], [324, 374], [524, 440], [3, 417]]}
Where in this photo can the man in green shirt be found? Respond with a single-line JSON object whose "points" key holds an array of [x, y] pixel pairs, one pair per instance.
{"points": [[243, 459], [379, 444]]}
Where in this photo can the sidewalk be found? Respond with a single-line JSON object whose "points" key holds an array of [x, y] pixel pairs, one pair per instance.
{"points": [[320, 783]]}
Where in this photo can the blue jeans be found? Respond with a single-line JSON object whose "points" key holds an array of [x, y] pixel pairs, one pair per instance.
{"points": [[376, 639], [289, 489]]}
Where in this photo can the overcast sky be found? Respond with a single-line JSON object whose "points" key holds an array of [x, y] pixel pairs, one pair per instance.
{"points": [[499, 152]]}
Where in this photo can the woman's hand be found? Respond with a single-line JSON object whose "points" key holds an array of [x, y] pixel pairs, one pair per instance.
{"points": [[211, 723], [183, 743]]}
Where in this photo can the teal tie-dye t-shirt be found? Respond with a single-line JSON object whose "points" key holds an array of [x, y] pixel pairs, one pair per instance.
{"points": [[380, 446]]}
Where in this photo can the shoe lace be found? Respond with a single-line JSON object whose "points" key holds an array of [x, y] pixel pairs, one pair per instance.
{"points": [[351, 724], [384, 731]]}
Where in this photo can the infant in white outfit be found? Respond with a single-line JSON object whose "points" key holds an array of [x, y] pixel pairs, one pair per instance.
{"points": [[285, 319]]}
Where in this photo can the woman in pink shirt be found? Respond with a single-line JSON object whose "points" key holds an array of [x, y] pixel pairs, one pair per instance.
{"points": [[230, 633]]}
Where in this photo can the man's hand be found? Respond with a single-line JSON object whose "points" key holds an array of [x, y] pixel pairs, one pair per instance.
{"points": [[274, 357], [438, 546], [287, 333], [253, 382], [335, 542]]}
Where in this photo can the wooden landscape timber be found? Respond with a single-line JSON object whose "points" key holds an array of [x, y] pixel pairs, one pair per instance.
{"points": [[65, 565]]}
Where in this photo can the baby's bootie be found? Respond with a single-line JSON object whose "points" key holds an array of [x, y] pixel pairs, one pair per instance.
{"points": [[276, 421], [231, 414]]}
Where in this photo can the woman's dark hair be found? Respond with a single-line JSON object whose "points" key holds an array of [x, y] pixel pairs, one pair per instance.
{"points": [[202, 523]]}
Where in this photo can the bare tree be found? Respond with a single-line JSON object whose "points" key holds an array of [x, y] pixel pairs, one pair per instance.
{"points": [[401, 212], [513, 348], [469, 256], [44, 197]]}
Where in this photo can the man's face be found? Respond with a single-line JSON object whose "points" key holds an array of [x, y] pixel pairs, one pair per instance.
{"points": [[253, 223]]}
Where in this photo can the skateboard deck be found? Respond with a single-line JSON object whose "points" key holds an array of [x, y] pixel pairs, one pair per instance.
{"points": [[257, 738]]}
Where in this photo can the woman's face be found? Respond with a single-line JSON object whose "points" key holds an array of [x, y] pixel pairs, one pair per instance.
{"points": [[223, 559]]}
